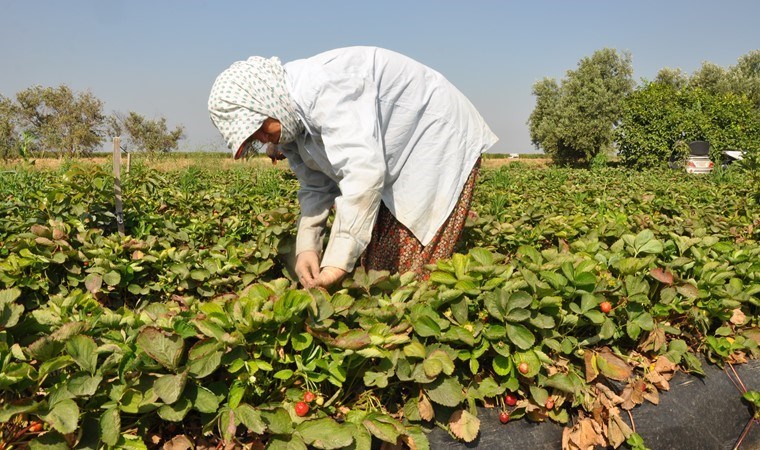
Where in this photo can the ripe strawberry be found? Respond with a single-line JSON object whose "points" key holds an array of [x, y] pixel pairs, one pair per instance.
{"points": [[309, 397], [503, 417], [510, 399], [302, 408], [605, 307], [549, 404], [523, 367], [35, 427]]}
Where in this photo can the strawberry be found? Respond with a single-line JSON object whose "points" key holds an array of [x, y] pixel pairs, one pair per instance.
{"points": [[549, 404], [510, 399], [309, 397], [503, 417], [605, 307], [523, 367], [302, 408]]}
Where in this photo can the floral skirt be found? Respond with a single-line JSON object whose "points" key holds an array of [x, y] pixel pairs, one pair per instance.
{"points": [[393, 247]]}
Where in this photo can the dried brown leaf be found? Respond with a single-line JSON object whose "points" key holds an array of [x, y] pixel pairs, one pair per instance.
{"points": [[612, 366], [617, 431], [584, 435], [464, 425], [179, 442], [738, 317], [425, 407], [592, 371]]}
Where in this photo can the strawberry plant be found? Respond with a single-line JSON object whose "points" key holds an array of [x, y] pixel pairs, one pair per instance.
{"points": [[192, 327]]}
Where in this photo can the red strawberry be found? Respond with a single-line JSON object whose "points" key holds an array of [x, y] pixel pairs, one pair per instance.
{"points": [[302, 408], [605, 307], [549, 404], [523, 367], [510, 399], [504, 417], [309, 397]]}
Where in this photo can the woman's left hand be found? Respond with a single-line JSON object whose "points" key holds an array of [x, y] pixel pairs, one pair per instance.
{"points": [[329, 276]]}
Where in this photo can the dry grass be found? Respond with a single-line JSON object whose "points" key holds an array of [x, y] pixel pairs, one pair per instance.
{"points": [[182, 162]]}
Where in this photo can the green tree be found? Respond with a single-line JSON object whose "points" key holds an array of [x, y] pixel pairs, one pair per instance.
{"points": [[151, 136], [9, 138], [60, 119], [657, 116], [673, 77], [575, 121], [711, 78], [744, 77]]}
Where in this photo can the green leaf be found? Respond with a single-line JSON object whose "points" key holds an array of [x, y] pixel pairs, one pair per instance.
{"points": [[93, 282], [445, 391], [110, 426], [352, 340], [112, 278], [290, 305], [285, 442], [561, 382], [203, 399], [250, 418], [9, 410], [49, 441], [502, 365], [520, 336], [519, 299], [204, 358], [278, 421], [164, 348], [441, 277], [64, 416], [539, 395], [325, 433], [170, 387], [10, 312], [176, 411], [83, 350], [83, 384], [383, 427]]}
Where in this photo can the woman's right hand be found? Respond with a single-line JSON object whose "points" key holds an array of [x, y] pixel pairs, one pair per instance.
{"points": [[307, 268]]}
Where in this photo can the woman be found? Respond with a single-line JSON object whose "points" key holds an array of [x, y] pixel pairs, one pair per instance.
{"points": [[386, 140]]}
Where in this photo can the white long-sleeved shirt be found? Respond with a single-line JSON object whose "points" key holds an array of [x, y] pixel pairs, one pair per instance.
{"points": [[379, 127]]}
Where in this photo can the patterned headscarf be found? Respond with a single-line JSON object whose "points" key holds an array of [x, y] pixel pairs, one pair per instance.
{"points": [[245, 94]]}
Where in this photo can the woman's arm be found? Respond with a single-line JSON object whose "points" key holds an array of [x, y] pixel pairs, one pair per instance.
{"points": [[344, 112]]}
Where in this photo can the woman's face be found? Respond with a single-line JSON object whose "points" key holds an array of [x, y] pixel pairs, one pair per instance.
{"points": [[268, 132]]}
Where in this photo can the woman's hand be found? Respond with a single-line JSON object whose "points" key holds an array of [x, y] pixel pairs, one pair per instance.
{"points": [[329, 276], [307, 268]]}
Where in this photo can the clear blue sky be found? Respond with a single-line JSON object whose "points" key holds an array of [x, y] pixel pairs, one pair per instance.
{"points": [[159, 57]]}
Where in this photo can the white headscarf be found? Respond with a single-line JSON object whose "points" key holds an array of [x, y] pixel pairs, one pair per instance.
{"points": [[248, 92]]}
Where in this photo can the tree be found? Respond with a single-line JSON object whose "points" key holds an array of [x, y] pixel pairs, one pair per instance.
{"points": [[711, 78], [61, 120], [575, 122], [672, 77], [744, 77], [151, 136], [9, 138], [657, 116]]}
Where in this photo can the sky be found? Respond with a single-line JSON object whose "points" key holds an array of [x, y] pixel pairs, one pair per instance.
{"points": [[160, 57]]}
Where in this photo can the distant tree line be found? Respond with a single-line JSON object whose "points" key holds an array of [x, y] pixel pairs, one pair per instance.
{"points": [[597, 111], [57, 119]]}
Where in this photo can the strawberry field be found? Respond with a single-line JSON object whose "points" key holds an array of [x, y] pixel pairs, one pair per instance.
{"points": [[575, 296]]}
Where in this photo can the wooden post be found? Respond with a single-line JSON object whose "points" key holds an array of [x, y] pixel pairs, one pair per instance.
{"points": [[117, 184], [129, 162]]}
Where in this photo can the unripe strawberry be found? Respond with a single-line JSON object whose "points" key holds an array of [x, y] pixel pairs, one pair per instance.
{"points": [[549, 404]]}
